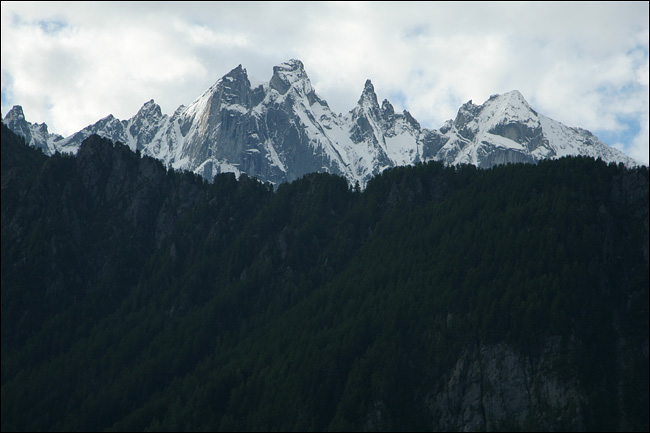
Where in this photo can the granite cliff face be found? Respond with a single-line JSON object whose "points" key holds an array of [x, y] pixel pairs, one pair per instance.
{"points": [[281, 130], [493, 387]]}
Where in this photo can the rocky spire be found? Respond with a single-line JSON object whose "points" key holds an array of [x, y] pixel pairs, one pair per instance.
{"points": [[387, 108], [15, 120], [368, 97], [290, 74]]}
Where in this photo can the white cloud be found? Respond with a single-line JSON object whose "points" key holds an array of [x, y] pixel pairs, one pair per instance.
{"points": [[584, 64], [639, 148]]}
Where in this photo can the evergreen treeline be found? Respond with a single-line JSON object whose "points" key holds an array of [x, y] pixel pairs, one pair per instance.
{"points": [[137, 298]]}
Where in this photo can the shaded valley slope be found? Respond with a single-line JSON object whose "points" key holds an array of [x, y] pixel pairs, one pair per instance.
{"points": [[438, 298]]}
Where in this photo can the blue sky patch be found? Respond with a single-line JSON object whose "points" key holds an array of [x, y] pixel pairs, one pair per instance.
{"points": [[51, 26], [631, 129]]}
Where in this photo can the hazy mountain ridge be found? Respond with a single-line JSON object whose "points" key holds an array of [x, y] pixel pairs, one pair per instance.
{"points": [[280, 130]]}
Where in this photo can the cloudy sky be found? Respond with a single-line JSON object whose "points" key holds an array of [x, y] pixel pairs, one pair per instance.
{"points": [[584, 64]]}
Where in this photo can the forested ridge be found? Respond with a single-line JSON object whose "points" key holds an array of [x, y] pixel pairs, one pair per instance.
{"points": [[140, 298]]}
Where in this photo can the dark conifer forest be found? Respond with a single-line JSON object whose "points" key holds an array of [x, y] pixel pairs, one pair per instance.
{"points": [[437, 298]]}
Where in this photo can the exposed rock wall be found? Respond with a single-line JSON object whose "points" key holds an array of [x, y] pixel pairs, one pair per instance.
{"points": [[493, 387]]}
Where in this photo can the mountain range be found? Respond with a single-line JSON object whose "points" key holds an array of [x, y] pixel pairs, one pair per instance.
{"points": [[281, 130], [437, 298]]}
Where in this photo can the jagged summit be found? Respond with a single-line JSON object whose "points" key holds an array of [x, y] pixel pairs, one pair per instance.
{"points": [[281, 130], [239, 70], [368, 96], [15, 120], [237, 75], [288, 74], [506, 129], [35, 135], [510, 107], [150, 107], [387, 108], [368, 88], [292, 67], [16, 113]]}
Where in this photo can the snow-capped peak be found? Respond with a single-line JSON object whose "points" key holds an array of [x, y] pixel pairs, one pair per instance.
{"points": [[507, 108], [239, 73], [507, 129], [281, 130], [150, 108], [290, 74], [387, 108], [15, 114], [368, 96]]}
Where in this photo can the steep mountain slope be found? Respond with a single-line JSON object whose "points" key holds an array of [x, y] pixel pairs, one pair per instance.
{"points": [[281, 130], [35, 134], [505, 129], [139, 298]]}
